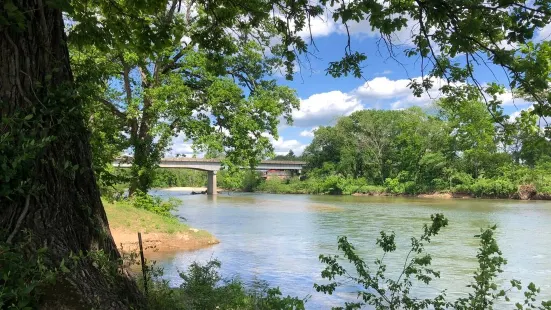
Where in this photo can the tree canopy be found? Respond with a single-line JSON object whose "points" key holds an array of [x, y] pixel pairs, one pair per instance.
{"points": [[413, 151], [182, 64], [223, 99]]}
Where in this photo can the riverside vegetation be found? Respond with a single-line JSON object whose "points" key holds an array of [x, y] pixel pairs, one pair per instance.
{"points": [[453, 147], [83, 81]]}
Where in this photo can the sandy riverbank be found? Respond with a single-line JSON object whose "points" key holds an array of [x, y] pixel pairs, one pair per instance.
{"points": [[185, 189], [159, 233], [162, 242]]}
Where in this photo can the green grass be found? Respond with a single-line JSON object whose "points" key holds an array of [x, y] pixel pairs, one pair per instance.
{"points": [[122, 215]]}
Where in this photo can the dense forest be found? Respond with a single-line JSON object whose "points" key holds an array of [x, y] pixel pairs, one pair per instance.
{"points": [[455, 147]]}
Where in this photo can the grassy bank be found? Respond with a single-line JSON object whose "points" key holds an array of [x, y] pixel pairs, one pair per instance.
{"points": [[159, 233]]}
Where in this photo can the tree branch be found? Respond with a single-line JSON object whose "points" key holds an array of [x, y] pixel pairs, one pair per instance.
{"points": [[111, 106], [173, 63]]}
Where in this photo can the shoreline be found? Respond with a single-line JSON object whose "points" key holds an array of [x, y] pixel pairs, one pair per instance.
{"points": [[436, 195], [162, 243], [183, 188], [447, 195], [160, 234]]}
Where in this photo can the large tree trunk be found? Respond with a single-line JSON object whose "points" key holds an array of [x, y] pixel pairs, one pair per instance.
{"points": [[143, 167], [53, 196]]}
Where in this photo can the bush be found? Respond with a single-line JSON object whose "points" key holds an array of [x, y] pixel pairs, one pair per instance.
{"points": [[462, 189], [154, 204], [333, 185], [546, 190], [496, 188], [205, 289], [111, 194], [371, 189], [275, 186], [179, 177], [23, 278], [395, 186], [242, 180], [376, 288], [461, 179]]}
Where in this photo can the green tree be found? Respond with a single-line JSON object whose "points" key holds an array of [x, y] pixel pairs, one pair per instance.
{"points": [[378, 144], [48, 186], [452, 38], [223, 104], [529, 144], [324, 148], [289, 156], [472, 134]]}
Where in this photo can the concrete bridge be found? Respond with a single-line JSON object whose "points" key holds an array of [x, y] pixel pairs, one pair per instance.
{"points": [[212, 166]]}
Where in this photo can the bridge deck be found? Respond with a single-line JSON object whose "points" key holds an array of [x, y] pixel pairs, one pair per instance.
{"points": [[215, 164], [218, 160], [211, 166]]}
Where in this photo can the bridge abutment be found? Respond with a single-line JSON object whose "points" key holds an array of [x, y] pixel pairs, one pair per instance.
{"points": [[211, 183]]}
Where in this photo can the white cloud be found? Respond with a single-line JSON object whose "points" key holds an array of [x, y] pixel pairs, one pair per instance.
{"points": [[323, 108], [508, 99], [513, 116], [282, 146], [319, 27], [395, 94], [544, 33], [411, 100], [181, 148], [309, 133], [383, 88]]}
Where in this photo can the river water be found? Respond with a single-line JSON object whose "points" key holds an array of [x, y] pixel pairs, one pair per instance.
{"points": [[278, 238]]}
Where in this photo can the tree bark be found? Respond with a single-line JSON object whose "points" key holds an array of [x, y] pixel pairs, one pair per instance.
{"points": [[61, 208]]}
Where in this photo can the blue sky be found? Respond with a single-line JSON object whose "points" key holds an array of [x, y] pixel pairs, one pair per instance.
{"points": [[324, 99]]}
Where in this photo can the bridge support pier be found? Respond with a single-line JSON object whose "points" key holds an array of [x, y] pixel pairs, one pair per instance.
{"points": [[211, 183]]}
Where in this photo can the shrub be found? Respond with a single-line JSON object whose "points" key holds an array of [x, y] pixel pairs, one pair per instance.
{"points": [[333, 185], [371, 189], [275, 186], [546, 190], [178, 177], [23, 276], [461, 178], [462, 188], [395, 186], [111, 194], [381, 291], [154, 204], [205, 289], [497, 188]]}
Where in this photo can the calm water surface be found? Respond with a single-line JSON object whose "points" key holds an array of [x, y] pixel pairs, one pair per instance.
{"points": [[278, 238]]}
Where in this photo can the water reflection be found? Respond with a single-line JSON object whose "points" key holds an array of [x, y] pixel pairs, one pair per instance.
{"points": [[277, 238]]}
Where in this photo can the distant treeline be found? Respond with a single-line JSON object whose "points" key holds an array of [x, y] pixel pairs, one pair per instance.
{"points": [[240, 180], [179, 178], [454, 147]]}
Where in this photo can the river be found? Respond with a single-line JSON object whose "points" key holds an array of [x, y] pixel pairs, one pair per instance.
{"points": [[278, 238]]}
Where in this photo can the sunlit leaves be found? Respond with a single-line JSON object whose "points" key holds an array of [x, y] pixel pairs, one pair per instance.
{"points": [[197, 71], [383, 291]]}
